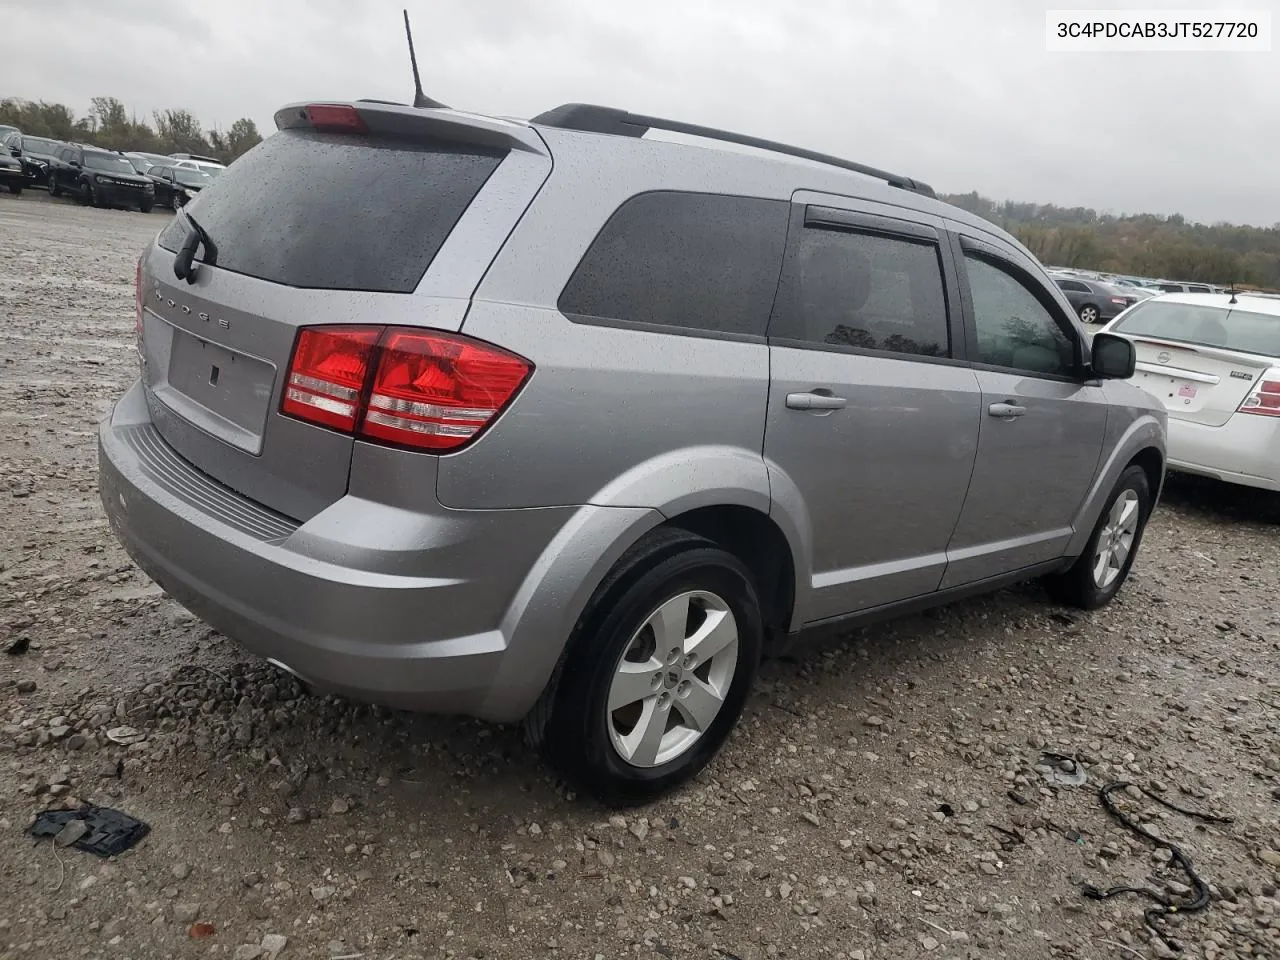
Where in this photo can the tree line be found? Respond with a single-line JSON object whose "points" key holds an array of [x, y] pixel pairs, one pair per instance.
{"points": [[108, 124], [1141, 244]]}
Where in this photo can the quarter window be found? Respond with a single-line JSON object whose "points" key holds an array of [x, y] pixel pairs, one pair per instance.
{"points": [[1014, 328], [685, 261]]}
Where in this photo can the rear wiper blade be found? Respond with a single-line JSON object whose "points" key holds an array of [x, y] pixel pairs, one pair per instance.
{"points": [[184, 264]]}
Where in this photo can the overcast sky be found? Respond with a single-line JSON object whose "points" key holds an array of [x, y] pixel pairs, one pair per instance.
{"points": [[962, 95]]}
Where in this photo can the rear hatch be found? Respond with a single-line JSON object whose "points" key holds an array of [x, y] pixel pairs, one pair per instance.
{"points": [[1200, 359], [351, 214]]}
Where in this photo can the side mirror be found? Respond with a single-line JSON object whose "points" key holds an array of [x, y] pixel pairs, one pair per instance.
{"points": [[1113, 358]]}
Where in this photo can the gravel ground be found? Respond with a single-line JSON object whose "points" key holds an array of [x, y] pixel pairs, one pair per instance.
{"points": [[885, 796]]}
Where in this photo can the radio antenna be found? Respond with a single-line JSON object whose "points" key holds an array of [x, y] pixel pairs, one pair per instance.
{"points": [[420, 99]]}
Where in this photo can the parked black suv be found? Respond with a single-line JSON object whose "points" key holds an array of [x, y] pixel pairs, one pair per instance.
{"points": [[11, 175], [100, 178], [35, 153], [176, 185]]}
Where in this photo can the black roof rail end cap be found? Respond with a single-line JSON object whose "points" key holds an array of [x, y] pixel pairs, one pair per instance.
{"points": [[591, 118]]}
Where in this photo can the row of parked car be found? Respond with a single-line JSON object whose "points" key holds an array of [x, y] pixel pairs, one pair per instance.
{"points": [[101, 177], [1101, 297]]}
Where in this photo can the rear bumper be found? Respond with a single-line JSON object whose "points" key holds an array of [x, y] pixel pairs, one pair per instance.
{"points": [[443, 612], [1244, 450]]}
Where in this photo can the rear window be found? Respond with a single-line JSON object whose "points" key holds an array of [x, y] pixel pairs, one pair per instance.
{"points": [[337, 212], [688, 261], [1203, 326]]}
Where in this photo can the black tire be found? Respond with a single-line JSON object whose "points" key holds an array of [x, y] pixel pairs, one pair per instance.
{"points": [[1089, 314], [1077, 586], [15, 189], [145, 208], [576, 738], [53, 186], [174, 205], [90, 195]]}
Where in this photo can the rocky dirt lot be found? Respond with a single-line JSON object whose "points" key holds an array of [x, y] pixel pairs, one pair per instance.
{"points": [[885, 797]]}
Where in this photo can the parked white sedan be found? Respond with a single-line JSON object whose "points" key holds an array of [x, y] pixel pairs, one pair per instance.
{"points": [[1214, 361]]}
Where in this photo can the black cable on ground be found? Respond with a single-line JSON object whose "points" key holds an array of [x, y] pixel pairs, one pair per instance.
{"points": [[1165, 905]]}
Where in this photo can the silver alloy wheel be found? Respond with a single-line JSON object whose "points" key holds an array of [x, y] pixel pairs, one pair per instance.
{"points": [[1116, 539], [672, 679], [1089, 314]]}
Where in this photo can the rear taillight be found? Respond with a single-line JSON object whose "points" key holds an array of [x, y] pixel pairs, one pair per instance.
{"points": [[1121, 301], [328, 373], [437, 391], [412, 388], [1264, 399]]}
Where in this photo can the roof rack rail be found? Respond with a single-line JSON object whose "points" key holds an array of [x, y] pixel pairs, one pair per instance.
{"points": [[596, 119]]}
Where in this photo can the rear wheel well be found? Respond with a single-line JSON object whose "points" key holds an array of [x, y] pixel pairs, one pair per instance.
{"points": [[1152, 463], [756, 540]]}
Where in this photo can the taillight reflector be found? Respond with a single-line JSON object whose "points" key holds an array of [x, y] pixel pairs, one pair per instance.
{"points": [[336, 117], [412, 388], [329, 369], [1264, 400]]}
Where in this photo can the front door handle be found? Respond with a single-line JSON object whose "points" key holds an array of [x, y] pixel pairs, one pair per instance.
{"points": [[1006, 411], [815, 401]]}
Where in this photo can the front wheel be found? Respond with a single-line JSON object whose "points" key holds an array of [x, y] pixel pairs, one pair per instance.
{"points": [[657, 671], [90, 195], [15, 189], [1089, 313], [145, 208], [1099, 573], [53, 186]]}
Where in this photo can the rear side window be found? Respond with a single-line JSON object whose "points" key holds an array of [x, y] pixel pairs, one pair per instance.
{"points": [[865, 290], [338, 212], [1203, 326], [684, 261]]}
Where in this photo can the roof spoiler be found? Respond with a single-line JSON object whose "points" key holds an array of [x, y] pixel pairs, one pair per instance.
{"points": [[597, 119]]}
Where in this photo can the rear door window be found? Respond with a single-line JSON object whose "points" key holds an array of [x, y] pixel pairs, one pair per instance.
{"points": [[672, 260], [865, 290], [338, 212]]}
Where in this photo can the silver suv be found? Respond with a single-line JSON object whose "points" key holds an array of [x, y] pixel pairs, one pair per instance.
{"points": [[564, 422]]}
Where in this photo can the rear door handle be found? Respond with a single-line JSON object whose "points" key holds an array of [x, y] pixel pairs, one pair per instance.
{"points": [[1006, 411], [815, 401]]}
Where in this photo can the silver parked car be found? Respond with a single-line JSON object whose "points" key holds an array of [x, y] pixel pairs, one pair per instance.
{"points": [[555, 422]]}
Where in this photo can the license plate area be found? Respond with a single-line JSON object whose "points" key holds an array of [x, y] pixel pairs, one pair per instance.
{"points": [[1176, 392], [224, 392]]}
